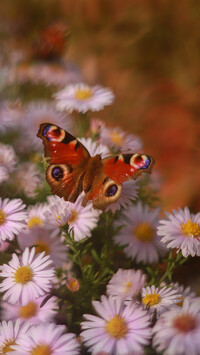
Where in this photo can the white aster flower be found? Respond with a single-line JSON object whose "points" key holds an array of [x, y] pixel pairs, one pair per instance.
{"points": [[11, 114], [12, 218], [159, 299], [31, 312], [181, 231], [118, 329], [82, 98], [129, 193], [94, 148], [59, 74], [8, 160], [42, 112], [47, 339], [83, 219], [126, 283], [47, 240], [10, 333], [36, 215], [27, 277], [120, 141], [28, 179], [57, 212], [185, 292], [177, 331], [139, 234]]}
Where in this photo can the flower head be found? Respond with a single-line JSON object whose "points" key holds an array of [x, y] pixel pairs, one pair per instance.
{"points": [[8, 160], [47, 240], [139, 234], [83, 219], [126, 283], [12, 218], [41, 112], [119, 140], [10, 334], [94, 148], [31, 311], [181, 231], [57, 212], [159, 299], [26, 278], [82, 98], [28, 179], [177, 331], [36, 215], [119, 329], [48, 339]]}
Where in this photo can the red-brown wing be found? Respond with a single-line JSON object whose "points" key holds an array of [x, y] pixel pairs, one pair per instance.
{"points": [[60, 147], [64, 181], [127, 166], [67, 158]]}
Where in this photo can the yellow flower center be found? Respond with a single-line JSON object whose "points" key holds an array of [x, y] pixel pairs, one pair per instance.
{"points": [[128, 286], [2, 217], [151, 300], [116, 327], [116, 138], [42, 246], [144, 232], [23, 275], [34, 221], [74, 216], [58, 217], [185, 323], [7, 346], [190, 229], [42, 349], [28, 311], [83, 94], [180, 303]]}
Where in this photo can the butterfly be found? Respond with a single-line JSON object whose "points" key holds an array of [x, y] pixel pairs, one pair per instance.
{"points": [[72, 170]]}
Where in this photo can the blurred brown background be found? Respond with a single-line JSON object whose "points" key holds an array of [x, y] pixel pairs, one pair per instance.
{"points": [[148, 53]]}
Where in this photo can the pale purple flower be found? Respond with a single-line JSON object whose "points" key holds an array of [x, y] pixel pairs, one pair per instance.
{"points": [[119, 141], [36, 216], [119, 329], [8, 160], [126, 283], [177, 331], [10, 115], [83, 219], [82, 98], [159, 299], [12, 218], [32, 311], [47, 339], [27, 277], [94, 148], [181, 231], [47, 240], [40, 112], [57, 213], [139, 234], [28, 178], [185, 292], [10, 334]]}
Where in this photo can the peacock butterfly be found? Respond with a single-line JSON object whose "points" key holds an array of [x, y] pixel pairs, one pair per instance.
{"points": [[72, 170]]}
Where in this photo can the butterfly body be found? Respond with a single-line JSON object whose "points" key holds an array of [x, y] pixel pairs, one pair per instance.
{"points": [[72, 170]]}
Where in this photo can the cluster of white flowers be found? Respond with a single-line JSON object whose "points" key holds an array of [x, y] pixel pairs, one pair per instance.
{"points": [[136, 312]]}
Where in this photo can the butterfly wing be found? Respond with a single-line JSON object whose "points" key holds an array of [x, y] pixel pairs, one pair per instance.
{"points": [[106, 187], [67, 158]]}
